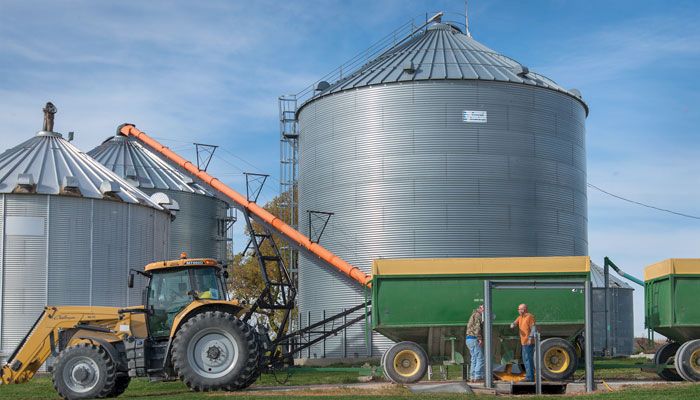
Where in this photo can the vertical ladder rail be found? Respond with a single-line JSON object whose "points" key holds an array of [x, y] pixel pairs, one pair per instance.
{"points": [[289, 160]]}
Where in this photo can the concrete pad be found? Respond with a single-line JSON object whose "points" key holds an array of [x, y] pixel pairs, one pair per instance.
{"points": [[443, 387]]}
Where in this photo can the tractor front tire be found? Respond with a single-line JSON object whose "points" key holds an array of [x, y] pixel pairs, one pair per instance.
{"points": [[84, 371], [214, 350], [559, 359]]}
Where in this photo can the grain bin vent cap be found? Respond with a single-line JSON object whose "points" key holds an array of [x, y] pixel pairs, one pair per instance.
{"points": [[132, 160], [441, 52], [49, 164]]}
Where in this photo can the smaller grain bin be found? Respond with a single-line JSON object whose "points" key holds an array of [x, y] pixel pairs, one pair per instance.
{"points": [[70, 230], [200, 226], [620, 340]]}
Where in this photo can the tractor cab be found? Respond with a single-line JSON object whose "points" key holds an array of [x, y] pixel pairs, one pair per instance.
{"points": [[173, 285]]}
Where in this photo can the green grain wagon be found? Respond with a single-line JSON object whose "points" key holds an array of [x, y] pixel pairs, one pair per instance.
{"points": [[672, 308], [424, 305]]}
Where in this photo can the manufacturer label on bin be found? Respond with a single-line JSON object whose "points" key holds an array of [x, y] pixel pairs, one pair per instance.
{"points": [[478, 117]]}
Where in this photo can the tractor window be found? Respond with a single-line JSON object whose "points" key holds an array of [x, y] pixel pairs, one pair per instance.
{"points": [[167, 296], [207, 284]]}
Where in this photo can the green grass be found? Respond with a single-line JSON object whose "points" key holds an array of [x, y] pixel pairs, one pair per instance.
{"points": [[609, 369], [41, 388]]}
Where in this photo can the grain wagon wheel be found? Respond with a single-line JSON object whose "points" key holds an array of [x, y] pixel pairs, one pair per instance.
{"points": [[666, 355], [688, 361], [381, 364], [558, 359], [405, 362], [679, 364]]}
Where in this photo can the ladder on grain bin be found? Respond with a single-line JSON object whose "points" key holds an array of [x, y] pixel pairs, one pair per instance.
{"points": [[279, 292]]}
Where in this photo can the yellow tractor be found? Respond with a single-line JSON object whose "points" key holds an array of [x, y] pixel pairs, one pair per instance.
{"points": [[186, 329]]}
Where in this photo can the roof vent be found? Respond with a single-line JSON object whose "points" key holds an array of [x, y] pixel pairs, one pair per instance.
{"points": [[174, 205], [521, 70], [25, 180], [409, 67], [70, 182], [49, 111], [109, 188], [165, 201], [576, 93], [70, 186], [25, 184], [321, 86]]}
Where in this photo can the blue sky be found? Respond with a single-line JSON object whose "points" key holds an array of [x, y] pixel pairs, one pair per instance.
{"points": [[212, 71]]}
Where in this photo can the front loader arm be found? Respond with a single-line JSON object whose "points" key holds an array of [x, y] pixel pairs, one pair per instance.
{"points": [[41, 341]]}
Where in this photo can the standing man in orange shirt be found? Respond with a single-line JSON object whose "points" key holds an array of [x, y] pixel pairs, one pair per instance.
{"points": [[526, 328]]}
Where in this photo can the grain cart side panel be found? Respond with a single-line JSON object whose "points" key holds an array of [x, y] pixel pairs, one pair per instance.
{"points": [[671, 290], [414, 298]]}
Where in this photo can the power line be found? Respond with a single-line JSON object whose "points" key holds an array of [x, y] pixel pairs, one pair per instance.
{"points": [[643, 204]]}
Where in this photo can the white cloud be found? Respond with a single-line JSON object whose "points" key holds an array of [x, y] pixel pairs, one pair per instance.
{"points": [[624, 47]]}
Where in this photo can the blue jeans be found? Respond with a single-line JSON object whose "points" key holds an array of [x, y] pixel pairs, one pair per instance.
{"points": [[477, 356], [529, 361]]}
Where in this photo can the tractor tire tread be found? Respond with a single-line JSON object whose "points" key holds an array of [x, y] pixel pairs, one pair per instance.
{"points": [[110, 371], [199, 384]]}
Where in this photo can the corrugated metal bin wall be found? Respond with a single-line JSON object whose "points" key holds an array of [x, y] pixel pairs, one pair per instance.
{"points": [[197, 228], [80, 255], [622, 321]]}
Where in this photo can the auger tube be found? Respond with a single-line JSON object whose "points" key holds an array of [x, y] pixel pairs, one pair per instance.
{"points": [[288, 233]]}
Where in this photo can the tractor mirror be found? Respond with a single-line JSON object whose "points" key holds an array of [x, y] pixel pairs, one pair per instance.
{"points": [[225, 274], [130, 282]]}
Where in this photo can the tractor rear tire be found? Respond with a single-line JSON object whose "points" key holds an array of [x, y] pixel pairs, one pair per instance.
{"points": [[120, 385], [256, 373], [559, 359], [661, 358], [688, 361], [84, 371], [405, 362], [214, 351]]}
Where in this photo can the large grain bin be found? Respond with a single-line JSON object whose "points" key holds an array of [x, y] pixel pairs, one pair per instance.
{"points": [[71, 230], [440, 147], [200, 226]]}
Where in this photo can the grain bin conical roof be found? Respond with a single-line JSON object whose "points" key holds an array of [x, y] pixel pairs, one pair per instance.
{"points": [[441, 52], [130, 159], [49, 164]]}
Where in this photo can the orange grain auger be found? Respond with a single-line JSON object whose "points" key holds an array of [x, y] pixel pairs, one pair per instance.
{"points": [[290, 234]]}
